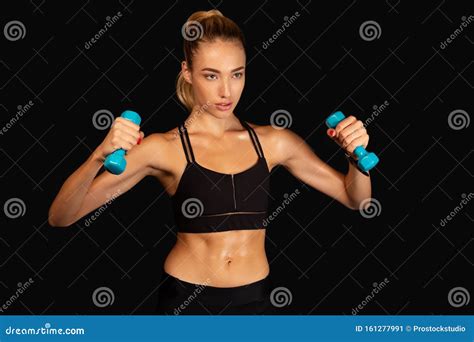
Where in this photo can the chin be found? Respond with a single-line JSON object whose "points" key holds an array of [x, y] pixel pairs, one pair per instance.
{"points": [[222, 115]]}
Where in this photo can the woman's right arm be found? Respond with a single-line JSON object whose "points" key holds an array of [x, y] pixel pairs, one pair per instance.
{"points": [[83, 192]]}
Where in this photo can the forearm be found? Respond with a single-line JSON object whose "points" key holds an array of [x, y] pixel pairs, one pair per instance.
{"points": [[69, 199], [358, 186]]}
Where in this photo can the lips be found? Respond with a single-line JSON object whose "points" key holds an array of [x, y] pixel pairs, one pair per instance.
{"points": [[224, 106]]}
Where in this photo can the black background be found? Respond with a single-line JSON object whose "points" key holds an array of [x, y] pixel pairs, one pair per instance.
{"points": [[325, 254]]}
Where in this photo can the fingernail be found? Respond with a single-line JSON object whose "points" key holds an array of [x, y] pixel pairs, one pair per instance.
{"points": [[139, 140], [332, 132]]}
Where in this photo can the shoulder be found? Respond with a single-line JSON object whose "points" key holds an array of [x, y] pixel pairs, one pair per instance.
{"points": [[278, 137], [161, 149], [279, 142], [162, 140]]}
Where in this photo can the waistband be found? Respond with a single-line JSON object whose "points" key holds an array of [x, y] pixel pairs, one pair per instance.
{"points": [[243, 294]]}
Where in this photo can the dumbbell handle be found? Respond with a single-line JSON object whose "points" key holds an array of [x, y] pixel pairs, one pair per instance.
{"points": [[115, 162]]}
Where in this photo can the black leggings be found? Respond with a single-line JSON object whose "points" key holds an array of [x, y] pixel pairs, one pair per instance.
{"points": [[178, 297]]}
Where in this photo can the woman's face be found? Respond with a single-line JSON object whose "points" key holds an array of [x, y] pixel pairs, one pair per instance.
{"points": [[217, 76]]}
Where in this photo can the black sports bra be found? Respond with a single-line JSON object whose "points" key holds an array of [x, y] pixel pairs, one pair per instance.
{"points": [[207, 201]]}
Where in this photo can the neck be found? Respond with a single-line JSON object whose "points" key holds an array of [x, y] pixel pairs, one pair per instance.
{"points": [[207, 123]]}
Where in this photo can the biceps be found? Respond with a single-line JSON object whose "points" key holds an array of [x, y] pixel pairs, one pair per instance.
{"points": [[106, 187]]}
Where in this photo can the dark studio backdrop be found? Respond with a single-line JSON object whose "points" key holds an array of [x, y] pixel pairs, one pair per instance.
{"points": [[405, 69]]}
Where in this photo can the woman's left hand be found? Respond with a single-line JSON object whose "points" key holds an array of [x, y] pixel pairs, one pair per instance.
{"points": [[349, 133]]}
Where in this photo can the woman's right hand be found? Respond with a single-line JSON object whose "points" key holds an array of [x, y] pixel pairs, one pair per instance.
{"points": [[123, 134]]}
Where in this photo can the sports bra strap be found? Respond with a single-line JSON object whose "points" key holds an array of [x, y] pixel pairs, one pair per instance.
{"points": [[254, 137], [188, 151]]}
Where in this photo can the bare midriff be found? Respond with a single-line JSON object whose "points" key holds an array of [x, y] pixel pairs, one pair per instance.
{"points": [[220, 259]]}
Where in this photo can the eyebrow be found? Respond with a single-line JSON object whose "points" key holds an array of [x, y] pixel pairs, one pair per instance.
{"points": [[218, 72]]}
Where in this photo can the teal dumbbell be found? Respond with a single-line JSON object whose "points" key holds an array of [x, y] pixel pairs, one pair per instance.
{"points": [[365, 160], [115, 162]]}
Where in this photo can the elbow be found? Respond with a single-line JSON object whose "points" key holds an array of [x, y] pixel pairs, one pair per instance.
{"points": [[58, 224], [54, 221], [362, 205], [352, 206]]}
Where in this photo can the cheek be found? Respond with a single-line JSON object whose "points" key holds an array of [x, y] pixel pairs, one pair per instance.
{"points": [[203, 89], [237, 88]]}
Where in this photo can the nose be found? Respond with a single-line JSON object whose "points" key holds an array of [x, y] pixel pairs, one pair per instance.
{"points": [[224, 89]]}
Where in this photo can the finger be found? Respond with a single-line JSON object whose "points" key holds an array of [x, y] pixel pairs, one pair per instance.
{"points": [[127, 123], [120, 143], [361, 141], [142, 135], [354, 135], [127, 146], [134, 135], [348, 130], [344, 123], [331, 132], [125, 137]]}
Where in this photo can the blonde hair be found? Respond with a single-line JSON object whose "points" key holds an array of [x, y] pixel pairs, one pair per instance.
{"points": [[203, 26]]}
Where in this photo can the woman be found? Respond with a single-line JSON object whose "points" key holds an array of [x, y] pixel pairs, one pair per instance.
{"points": [[216, 169]]}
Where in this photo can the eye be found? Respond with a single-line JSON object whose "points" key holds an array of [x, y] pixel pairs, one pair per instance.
{"points": [[238, 74], [210, 76]]}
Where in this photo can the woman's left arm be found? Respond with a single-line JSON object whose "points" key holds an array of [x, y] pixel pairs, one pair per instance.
{"points": [[351, 189]]}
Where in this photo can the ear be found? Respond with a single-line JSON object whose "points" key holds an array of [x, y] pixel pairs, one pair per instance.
{"points": [[186, 72]]}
